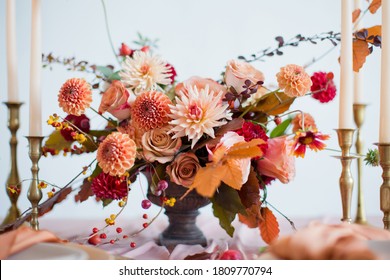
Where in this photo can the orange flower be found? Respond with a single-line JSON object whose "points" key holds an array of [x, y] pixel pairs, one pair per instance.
{"points": [[115, 101], [294, 80], [309, 122], [199, 83], [75, 96], [312, 138], [150, 110], [116, 154]]}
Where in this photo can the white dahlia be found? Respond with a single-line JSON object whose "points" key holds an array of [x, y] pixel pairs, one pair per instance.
{"points": [[143, 72], [198, 114]]}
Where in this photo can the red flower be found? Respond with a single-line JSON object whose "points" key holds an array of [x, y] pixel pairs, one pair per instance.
{"points": [[82, 122], [106, 186], [323, 88], [172, 72], [251, 131], [312, 139], [125, 50]]}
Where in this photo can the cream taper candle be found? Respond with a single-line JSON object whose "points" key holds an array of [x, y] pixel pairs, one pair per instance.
{"points": [[357, 76], [35, 71], [346, 70], [11, 53], [384, 115]]}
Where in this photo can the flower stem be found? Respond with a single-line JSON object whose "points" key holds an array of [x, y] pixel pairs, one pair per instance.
{"points": [[284, 216], [108, 32]]}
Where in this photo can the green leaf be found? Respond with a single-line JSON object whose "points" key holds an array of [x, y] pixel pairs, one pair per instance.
{"points": [[114, 76], [96, 172], [57, 142], [280, 129], [106, 201], [225, 218], [90, 145], [106, 71]]}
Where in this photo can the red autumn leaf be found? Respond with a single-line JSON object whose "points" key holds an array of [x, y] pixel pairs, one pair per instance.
{"points": [[85, 192], [374, 6], [355, 14], [48, 205], [360, 52], [269, 227]]}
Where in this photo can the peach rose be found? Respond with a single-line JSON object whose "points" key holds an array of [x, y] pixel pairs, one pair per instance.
{"points": [[200, 83], [278, 162], [183, 169], [237, 72], [115, 101], [158, 145]]}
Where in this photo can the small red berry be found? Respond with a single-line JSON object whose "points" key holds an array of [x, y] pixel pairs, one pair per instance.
{"points": [[112, 241], [145, 225], [125, 236], [95, 230], [94, 240], [277, 120], [145, 48], [118, 230], [125, 50], [132, 244], [146, 204], [162, 185], [231, 255], [145, 216], [103, 236]]}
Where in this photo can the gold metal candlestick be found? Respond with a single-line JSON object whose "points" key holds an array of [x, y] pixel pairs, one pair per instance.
{"points": [[13, 188], [34, 193], [345, 138], [384, 161], [359, 111]]}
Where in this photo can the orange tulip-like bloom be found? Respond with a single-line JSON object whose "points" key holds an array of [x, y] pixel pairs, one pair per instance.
{"points": [[294, 80], [312, 139], [150, 110], [75, 96], [116, 154]]}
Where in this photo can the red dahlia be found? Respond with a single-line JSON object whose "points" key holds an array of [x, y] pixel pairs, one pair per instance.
{"points": [[323, 88], [105, 186], [251, 131], [81, 122]]}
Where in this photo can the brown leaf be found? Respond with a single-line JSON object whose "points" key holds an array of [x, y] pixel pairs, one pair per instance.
{"points": [[269, 227], [252, 218], [200, 256], [355, 14], [375, 30], [274, 103], [250, 191], [360, 52], [374, 6], [85, 192]]}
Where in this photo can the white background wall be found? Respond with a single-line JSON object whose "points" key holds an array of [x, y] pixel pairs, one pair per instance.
{"points": [[197, 37]]}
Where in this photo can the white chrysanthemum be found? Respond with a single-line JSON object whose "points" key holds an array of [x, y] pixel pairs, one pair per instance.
{"points": [[198, 114], [143, 72]]}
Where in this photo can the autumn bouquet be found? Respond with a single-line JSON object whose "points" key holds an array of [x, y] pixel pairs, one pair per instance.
{"points": [[226, 139]]}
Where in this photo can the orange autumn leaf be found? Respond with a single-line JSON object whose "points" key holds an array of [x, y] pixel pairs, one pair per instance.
{"points": [[374, 31], [269, 227], [208, 179], [374, 6], [356, 14], [360, 52], [243, 150], [252, 218], [233, 171]]}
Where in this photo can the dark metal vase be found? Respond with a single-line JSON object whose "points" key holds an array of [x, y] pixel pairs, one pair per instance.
{"points": [[182, 227]]}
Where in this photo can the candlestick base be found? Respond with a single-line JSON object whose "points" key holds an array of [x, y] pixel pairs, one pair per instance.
{"points": [[34, 193], [359, 110], [13, 188], [384, 161], [345, 137]]}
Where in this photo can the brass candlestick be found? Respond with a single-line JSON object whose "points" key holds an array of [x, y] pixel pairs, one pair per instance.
{"points": [[345, 138], [34, 193], [384, 161], [359, 111], [13, 188]]}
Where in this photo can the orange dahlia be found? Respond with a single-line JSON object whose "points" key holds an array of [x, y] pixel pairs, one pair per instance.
{"points": [[307, 124], [294, 80], [312, 139], [150, 110], [116, 154], [75, 96]]}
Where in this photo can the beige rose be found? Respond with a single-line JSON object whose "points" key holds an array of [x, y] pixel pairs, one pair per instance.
{"points": [[183, 169], [199, 83], [158, 145], [237, 72], [115, 101]]}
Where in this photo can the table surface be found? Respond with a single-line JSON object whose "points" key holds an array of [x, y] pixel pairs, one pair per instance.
{"points": [[247, 240]]}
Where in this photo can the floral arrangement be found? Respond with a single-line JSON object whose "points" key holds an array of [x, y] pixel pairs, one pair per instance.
{"points": [[227, 140]]}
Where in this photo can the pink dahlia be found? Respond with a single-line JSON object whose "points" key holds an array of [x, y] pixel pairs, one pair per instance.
{"points": [[75, 96], [253, 131], [323, 88], [105, 186], [293, 80], [116, 154], [81, 122], [150, 110]]}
